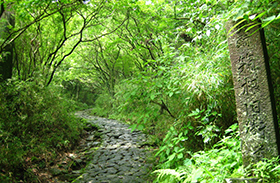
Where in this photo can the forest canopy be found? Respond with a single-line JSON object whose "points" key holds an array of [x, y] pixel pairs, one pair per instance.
{"points": [[161, 66]]}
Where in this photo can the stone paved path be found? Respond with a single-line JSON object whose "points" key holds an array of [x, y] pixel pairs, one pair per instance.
{"points": [[120, 159]]}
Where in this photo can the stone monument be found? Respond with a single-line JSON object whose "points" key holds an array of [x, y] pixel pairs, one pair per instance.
{"points": [[255, 105]]}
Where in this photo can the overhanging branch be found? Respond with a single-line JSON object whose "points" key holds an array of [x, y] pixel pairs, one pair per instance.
{"points": [[81, 41]]}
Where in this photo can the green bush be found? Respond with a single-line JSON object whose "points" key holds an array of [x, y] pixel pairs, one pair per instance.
{"points": [[34, 121], [267, 170], [222, 161], [213, 165]]}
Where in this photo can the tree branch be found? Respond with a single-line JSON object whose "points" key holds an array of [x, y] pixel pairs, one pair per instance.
{"points": [[17, 33], [163, 107]]}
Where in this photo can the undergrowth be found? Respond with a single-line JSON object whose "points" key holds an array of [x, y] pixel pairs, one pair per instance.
{"points": [[222, 161], [35, 125]]}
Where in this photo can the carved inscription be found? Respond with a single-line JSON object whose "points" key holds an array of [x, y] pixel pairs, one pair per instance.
{"points": [[258, 128]]}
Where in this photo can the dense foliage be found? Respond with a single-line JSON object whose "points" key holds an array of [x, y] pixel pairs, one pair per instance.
{"points": [[161, 66], [36, 124]]}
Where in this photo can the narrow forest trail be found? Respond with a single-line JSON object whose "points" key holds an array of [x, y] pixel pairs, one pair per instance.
{"points": [[120, 158]]}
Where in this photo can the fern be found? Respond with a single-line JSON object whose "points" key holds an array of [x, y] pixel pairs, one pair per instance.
{"points": [[168, 175]]}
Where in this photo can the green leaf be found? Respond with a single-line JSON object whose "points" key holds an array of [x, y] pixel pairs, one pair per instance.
{"points": [[278, 16], [140, 127], [196, 117], [133, 127], [159, 85], [160, 151], [167, 136], [194, 113], [168, 151], [246, 17], [206, 140], [187, 162], [180, 155], [214, 113], [171, 94], [233, 27], [170, 158], [259, 15], [271, 18]]}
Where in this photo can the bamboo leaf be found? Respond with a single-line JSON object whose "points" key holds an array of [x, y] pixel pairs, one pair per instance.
{"points": [[233, 27], [271, 18], [259, 15], [254, 25]]}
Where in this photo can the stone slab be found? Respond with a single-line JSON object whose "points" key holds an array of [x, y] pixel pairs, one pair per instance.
{"points": [[253, 93]]}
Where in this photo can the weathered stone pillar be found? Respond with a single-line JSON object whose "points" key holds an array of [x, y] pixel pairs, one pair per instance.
{"points": [[255, 105]]}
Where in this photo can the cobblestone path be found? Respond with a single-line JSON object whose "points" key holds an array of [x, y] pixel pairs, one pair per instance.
{"points": [[120, 158]]}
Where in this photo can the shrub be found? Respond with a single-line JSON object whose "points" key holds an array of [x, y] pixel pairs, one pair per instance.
{"points": [[222, 161], [34, 121], [213, 165]]}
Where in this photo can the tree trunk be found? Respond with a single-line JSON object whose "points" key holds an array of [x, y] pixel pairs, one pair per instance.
{"points": [[7, 21]]}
